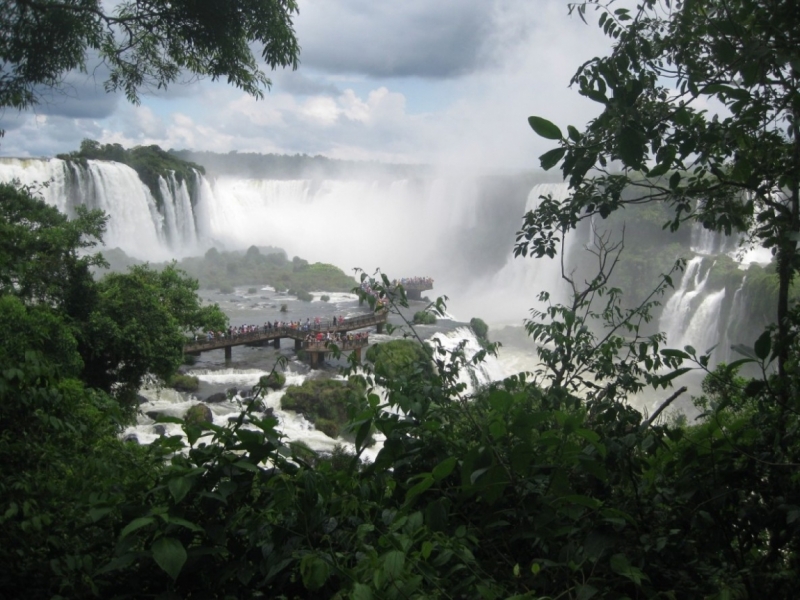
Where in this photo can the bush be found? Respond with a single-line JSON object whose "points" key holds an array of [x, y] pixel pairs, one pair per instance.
{"points": [[284, 308], [324, 402], [480, 328], [184, 383], [274, 380], [327, 426], [400, 359], [226, 289], [325, 298], [304, 296], [424, 318], [251, 290], [189, 359]]}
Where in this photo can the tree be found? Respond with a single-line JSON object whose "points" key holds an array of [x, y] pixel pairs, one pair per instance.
{"points": [[736, 169], [144, 43]]}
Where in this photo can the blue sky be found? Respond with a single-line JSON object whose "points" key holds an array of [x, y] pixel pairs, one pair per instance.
{"points": [[449, 82]]}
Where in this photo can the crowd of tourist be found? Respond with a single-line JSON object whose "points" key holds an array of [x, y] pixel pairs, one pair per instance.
{"points": [[336, 337], [315, 324], [422, 282]]}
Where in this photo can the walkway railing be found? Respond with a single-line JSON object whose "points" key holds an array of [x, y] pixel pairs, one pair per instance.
{"points": [[297, 333]]}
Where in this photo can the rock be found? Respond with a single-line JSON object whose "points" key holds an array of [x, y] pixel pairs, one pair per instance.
{"points": [[269, 412], [141, 399], [197, 414], [131, 437], [216, 398], [153, 414], [232, 391], [160, 429]]}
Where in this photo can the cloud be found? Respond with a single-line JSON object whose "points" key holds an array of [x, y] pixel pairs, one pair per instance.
{"points": [[395, 39]]}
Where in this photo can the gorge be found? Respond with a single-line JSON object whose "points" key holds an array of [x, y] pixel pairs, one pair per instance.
{"points": [[455, 227]]}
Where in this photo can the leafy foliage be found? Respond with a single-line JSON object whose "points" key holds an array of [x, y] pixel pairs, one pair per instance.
{"points": [[325, 402], [144, 45]]}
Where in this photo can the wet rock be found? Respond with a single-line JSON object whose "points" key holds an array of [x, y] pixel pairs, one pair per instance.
{"points": [[160, 429], [131, 437], [216, 398], [153, 414], [232, 391], [141, 399]]}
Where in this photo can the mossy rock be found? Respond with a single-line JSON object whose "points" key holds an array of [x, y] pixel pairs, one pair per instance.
{"points": [[480, 328], [328, 427], [226, 289], [423, 317], [324, 402], [198, 414], [184, 383], [274, 381], [325, 298], [400, 359]]}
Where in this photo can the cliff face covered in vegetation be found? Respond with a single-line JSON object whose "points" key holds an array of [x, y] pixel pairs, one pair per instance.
{"points": [[149, 162]]}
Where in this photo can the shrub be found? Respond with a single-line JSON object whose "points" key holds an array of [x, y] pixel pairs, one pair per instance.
{"points": [[424, 318], [480, 328], [226, 289], [251, 290], [189, 359], [325, 298], [274, 380], [304, 296], [324, 402], [284, 308], [400, 359]]}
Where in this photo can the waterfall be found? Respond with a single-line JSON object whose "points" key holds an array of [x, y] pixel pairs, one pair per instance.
{"points": [[136, 223]]}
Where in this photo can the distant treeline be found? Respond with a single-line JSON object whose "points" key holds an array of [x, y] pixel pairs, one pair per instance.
{"points": [[297, 166]]}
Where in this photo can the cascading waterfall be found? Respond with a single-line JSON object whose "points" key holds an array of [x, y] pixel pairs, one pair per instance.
{"points": [[135, 223], [445, 227]]}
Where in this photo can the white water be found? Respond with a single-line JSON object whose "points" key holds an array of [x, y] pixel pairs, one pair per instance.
{"points": [[406, 227], [135, 224]]}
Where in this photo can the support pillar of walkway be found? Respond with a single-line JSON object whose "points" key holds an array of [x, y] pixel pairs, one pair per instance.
{"points": [[379, 327], [414, 294], [357, 352], [298, 345], [316, 359], [276, 343], [228, 353]]}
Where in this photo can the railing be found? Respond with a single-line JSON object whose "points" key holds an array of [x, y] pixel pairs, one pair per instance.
{"points": [[344, 345], [273, 333]]}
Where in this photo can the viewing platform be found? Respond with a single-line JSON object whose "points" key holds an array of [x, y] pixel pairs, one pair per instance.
{"points": [[315, 349], [414, 286]]}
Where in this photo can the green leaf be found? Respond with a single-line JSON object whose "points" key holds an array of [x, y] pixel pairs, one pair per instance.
{"points": [[763, 345], [179, 487], [675, 180], [444, 468], [550, 158], [361, 592], [631, 147], [393, 564], [573, 133], [134, 525], [419, 488], [314, 571], [545, 128], [170, 555]]}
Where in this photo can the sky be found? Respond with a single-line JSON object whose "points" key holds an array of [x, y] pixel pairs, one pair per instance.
{"points": [[448, 83]]}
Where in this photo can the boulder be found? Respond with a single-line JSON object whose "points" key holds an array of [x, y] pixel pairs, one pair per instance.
{"points": [[216, 398], [131, 437], [197, 414], [160, 429]]}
